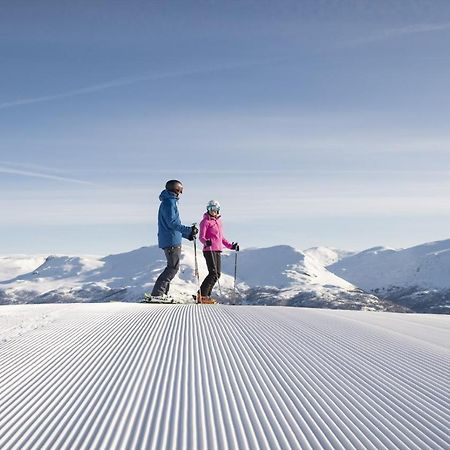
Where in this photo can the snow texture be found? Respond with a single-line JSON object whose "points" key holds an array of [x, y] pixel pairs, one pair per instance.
{"points": [[426, 265], [409, 280], [130, 376], [75, 278]]}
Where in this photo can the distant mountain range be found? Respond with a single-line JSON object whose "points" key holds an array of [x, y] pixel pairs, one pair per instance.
{"points": [[417, 278], [409, 280]]}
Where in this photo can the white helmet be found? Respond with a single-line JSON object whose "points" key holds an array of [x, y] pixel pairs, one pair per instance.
{"points": [[213, 205]]}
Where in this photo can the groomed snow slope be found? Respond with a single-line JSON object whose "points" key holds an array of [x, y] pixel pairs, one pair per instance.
{"points": [[129, 376]]}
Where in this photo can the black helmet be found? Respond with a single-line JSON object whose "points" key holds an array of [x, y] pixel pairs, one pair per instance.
{"points": [[174, 186]]}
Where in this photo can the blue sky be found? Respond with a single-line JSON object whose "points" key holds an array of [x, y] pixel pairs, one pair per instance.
{"points": [[312, 122]]}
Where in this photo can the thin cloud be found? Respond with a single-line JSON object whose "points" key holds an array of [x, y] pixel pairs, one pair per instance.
{"points": [[74, 93], [119, 82], [419, 28], [402, 31], [27, 173], [32, 167]]}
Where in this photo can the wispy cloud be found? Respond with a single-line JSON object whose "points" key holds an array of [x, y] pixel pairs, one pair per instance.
{"points": [[126, 81], [419, 28], [34, 174], [402, 31], [86, 90]]}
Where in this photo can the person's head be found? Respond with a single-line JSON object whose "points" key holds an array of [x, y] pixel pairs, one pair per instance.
{"points": [[213, 208], [175, 186]]}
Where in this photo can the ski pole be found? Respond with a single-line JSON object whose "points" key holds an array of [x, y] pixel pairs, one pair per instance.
{"points": [[235, 277], [196, 272]]}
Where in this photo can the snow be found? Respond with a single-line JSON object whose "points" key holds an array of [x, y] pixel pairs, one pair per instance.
{"points": [[426, 265], [17, 320], [326, 256], [121, 375], [280, 267], [415, 279]]}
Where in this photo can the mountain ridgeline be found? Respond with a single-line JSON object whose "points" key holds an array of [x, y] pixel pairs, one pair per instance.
{"points": [[416, 279]]}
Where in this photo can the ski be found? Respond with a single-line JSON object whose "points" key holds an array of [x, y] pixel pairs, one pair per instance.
{"points": [[169, 300], [164, 300]]}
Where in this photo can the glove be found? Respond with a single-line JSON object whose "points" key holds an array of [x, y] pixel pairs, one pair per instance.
{"points": [[194, 231], [235, 246], [208, 242]]}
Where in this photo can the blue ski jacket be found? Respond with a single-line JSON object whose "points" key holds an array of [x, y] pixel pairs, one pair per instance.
{"points": [[170, 229]]}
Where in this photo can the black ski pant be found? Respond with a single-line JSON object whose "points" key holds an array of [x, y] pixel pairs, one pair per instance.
{"points": [[214, 264], [162, 285]]}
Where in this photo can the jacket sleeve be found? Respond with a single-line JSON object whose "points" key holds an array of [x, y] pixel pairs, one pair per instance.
{"points": [[174, 222], [227, 244], [202, 232]]}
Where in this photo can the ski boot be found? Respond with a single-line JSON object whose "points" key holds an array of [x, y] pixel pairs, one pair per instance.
{"points": [[208, 301], [205, 300]]}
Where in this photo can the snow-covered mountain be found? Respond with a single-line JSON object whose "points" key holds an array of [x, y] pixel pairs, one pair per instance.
{"points": [[274, 275], [416, 277], [281, 275], [326, 255]]}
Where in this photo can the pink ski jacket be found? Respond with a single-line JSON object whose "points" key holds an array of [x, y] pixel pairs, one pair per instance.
{"points": [[211, 228]]}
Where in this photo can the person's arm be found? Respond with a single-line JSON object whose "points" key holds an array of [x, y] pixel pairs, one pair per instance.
{"points": [[174, 222], [227, 244], [202, 233]]}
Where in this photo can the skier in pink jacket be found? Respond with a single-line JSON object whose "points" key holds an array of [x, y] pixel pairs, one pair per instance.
{"points": [[213, 240]]}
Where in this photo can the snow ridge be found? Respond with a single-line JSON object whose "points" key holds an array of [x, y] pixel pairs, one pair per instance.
{"points": [[216, 377], [281, 271], [417, 278], [409, 280], [425, 265]]}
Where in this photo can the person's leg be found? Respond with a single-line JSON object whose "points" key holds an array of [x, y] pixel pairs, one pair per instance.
{"points": [[162, 284], [217, 264], [212, 277]]}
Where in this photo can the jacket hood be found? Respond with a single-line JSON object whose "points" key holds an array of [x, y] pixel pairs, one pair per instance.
{"points": [[165, 195]]}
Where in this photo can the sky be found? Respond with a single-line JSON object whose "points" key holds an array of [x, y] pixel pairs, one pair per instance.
{"points": [[313, 123]]}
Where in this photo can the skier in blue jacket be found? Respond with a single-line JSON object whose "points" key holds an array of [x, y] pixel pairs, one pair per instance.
{"points": [[170, 234]]}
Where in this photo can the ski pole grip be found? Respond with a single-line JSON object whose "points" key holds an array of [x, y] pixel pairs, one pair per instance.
{"points": [[194, 224]]}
